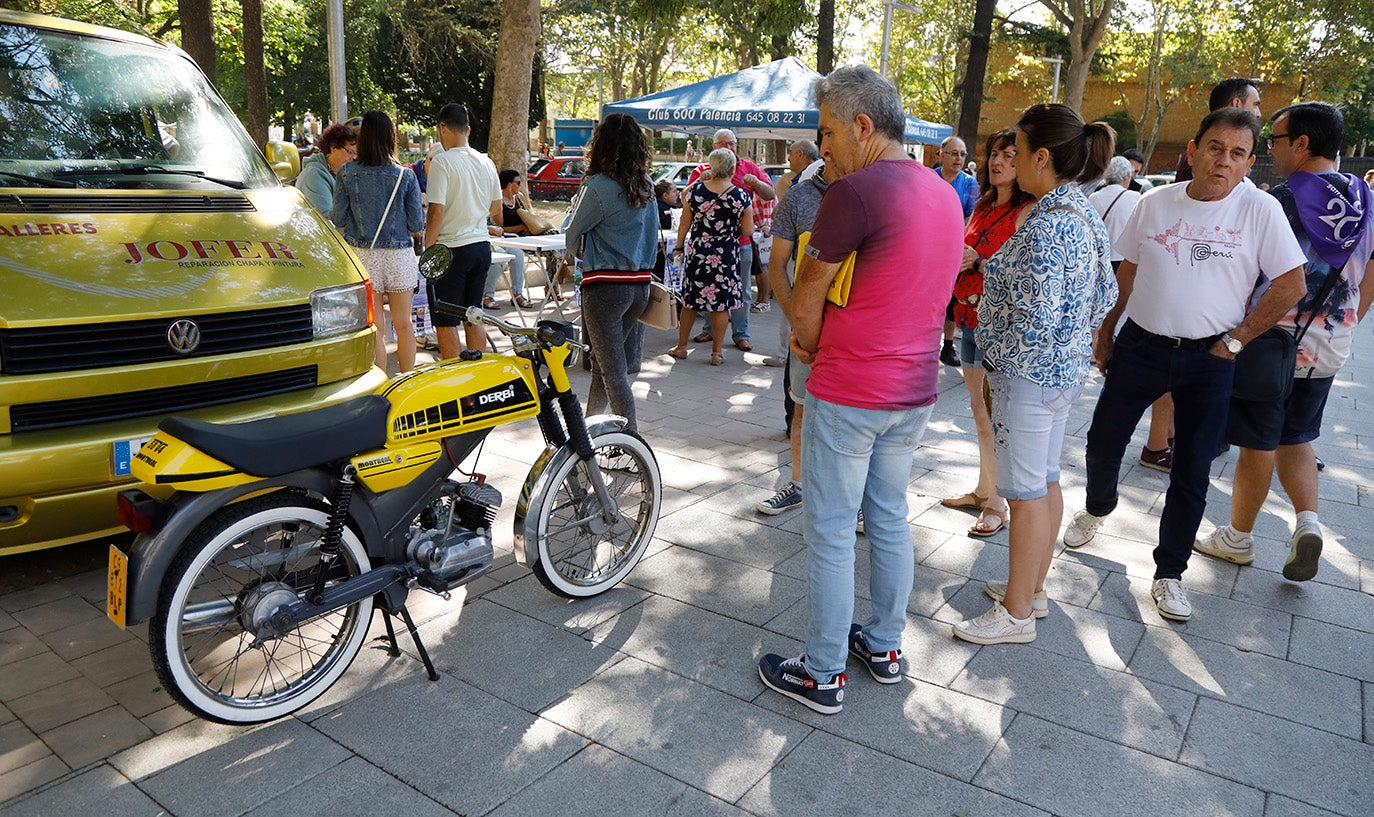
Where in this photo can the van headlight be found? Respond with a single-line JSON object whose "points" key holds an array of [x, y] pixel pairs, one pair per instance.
{"points": [[339, 310]]}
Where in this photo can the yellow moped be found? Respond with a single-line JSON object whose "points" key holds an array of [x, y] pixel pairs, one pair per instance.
{"points": [[264, 547]]}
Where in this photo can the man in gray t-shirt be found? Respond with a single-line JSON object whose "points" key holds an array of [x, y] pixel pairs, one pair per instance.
{"points": [[792, 220]]}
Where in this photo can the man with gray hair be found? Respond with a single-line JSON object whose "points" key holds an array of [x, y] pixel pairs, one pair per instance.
{"points": [[752, 178], [800, 156], [1115, 200], [874, 356]]}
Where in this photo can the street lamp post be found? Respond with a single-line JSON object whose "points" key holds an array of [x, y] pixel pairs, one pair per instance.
{"points": [[888, 6], [338, 92], [1058, 61]]}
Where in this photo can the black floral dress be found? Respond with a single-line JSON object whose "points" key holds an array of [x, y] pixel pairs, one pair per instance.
{"points": [[711, 276]]}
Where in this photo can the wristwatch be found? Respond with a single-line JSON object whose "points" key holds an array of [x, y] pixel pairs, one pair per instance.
{"points": [[1232, 345]]}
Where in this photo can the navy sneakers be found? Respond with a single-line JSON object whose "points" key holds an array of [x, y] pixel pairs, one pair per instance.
{"points": [[885, 667], [789, 677]]}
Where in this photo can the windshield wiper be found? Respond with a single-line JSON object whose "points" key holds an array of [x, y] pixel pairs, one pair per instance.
{"points": [[36, 180], [149, 170]]}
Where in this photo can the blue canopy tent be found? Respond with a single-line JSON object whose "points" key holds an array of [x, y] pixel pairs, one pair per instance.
{"points": [[772, 101]]}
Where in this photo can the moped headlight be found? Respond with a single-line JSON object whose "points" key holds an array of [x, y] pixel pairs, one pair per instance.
{"points": [[340, 310]]}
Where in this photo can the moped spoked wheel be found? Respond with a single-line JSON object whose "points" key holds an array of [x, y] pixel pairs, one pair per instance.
{"points": [[240, 565], [580, 554]]}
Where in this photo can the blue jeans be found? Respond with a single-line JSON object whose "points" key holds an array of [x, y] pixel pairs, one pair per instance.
{"points": [[739, 318], [517, 276], [1139, 374], [855, 457]]}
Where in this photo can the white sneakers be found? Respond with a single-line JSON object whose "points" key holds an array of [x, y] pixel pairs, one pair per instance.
{"points": [[1304, 552], [1304, 549], [996, 626], [1170, 600], [1223, 545], [1082, 529], [1040, 602]]}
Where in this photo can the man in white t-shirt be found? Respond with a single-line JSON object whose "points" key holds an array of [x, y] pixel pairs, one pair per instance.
{"points": [[1193, 254], [464, 192], [1332, 216]]}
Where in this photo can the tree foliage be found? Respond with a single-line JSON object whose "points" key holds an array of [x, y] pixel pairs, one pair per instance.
{"points": [[1178, 45], [431, 53]]}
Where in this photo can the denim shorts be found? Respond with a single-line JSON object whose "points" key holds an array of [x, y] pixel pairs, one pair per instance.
{"points": [[969, 353], [1265, 426], [1028, 422]]}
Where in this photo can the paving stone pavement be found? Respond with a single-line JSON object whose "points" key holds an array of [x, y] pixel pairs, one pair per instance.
{"points": [[646, 700]]}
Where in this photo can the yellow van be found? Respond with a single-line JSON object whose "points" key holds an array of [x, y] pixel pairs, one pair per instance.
{"points": [[151, 263]]}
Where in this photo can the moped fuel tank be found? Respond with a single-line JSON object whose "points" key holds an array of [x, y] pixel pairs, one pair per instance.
{"points": [[456, 396]]}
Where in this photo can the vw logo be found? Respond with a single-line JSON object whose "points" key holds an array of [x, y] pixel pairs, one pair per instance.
{"points": [[183, 336]]}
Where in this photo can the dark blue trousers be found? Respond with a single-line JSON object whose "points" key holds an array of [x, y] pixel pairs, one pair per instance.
{"points": [[1141, 372]]}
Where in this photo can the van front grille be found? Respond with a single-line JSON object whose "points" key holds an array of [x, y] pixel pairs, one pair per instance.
{"points": [[100, 345], [86, 410], [160, 203]]}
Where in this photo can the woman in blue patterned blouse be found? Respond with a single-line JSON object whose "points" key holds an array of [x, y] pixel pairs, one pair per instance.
{"points": [[1044, 292]]}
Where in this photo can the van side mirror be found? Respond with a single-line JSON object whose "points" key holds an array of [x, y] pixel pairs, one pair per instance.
{"points": [[285, 160]]}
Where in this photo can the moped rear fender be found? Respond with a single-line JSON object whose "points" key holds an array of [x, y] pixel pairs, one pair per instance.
{"points": [[381, 520], [153, 553], [526, 514]]}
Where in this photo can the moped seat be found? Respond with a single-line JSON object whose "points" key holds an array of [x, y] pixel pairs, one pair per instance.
{"points": [[279, 445]]}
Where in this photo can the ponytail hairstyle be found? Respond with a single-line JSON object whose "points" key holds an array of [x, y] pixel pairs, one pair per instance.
{"points": [[1078, 152], [620, 150]]}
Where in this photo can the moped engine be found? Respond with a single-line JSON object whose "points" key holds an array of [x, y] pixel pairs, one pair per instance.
{"points": [[451, 543]]}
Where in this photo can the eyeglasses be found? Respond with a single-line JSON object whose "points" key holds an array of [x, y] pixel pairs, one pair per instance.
{"points": [[955, 152], [1269, 143]]}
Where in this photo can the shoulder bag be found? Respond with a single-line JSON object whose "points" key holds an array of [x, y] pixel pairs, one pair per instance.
{"points": [[387, 211], [663, 310], [1265, 367], [535, 223]]}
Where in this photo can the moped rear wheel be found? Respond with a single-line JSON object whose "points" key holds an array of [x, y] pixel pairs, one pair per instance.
{"points": [[244, 562], [580, 554]]}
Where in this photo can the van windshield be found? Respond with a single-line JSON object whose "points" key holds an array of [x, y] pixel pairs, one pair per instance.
{"points": [[79, 111]]}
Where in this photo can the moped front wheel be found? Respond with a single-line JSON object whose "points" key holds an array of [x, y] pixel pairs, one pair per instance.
{"points": [[246, 561], [581, 553]]}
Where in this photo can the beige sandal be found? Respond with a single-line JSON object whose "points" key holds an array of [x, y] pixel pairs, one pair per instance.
{"points": [[980, 527]]}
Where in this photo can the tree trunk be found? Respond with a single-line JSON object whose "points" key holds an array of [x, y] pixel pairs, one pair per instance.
{"points": [[254, 72], [971, 106], [198, 33], [1087, 25], [825, 37], [510, 109]]}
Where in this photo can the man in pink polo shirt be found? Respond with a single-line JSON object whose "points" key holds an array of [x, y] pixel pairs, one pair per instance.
{"points": [[874, 366]]}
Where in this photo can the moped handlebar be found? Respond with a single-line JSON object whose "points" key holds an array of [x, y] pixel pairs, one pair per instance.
{"points": [[545, 332]]}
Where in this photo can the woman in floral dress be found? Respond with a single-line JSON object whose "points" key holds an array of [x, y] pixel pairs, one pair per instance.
{"points": [[715, 213]]}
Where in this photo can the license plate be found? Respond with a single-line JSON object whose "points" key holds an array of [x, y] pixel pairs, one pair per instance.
{"points": [[123, 452], [117, 584]]}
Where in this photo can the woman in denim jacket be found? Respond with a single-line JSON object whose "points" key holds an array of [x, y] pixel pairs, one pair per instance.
{"points": [[614, 228], [360, 204]]}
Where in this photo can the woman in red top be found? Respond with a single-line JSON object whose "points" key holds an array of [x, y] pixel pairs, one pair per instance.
{"points": [[1000, 210]]}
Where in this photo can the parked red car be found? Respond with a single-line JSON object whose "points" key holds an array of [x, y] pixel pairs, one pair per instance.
{"points": [[556, 179]]}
